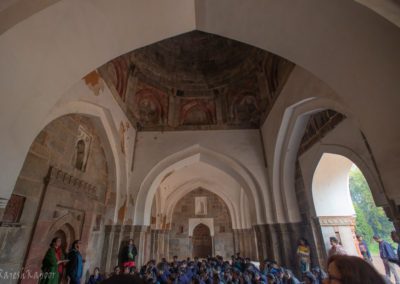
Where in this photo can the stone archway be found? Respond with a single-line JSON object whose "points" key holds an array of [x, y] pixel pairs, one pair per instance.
{"points": [[67, 235], [332, 201], [202, 241]]}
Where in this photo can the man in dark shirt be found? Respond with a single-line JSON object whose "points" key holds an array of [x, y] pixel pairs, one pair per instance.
{"points": [[388, 258], [75, 264]]}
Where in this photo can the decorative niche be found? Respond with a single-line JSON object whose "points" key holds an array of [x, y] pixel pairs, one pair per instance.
{"points": [[82, 148], [13, 211]]}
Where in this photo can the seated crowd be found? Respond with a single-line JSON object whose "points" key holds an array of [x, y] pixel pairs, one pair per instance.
{"points": [[216, 270]]}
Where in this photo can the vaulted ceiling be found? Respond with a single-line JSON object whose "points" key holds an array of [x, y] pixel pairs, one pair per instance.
{"points": [[196, 81]]}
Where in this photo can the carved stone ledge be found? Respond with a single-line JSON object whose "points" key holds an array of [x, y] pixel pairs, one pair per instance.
{"points": [[337, 220], [68, 182]]}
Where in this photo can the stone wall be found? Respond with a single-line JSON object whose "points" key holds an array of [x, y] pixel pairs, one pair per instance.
{"points": [[180, 243], [58, 196]]}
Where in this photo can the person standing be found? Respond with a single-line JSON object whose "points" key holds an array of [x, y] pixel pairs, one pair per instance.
{"points": [[129, 254], [52, 263], [364, 249], [75, 264], [388, 258], [336, 249], [304, 255]]}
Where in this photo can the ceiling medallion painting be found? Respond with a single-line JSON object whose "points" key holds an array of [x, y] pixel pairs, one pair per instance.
{"points": [[196, 81]]}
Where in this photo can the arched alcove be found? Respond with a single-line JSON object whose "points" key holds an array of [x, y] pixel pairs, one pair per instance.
{"points": [[202, 241]]}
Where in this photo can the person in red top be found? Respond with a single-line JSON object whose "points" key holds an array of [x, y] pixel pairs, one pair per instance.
{"points": [[52, 265], [128, 255]]}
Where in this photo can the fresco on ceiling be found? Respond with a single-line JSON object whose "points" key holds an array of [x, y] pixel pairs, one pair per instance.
{"points": [[197, 112], [196, 81]]}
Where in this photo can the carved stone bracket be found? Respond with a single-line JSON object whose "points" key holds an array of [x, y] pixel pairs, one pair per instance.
{"points": [[68, 182], [337, 220]]}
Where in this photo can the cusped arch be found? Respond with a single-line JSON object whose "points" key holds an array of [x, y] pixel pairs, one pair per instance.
{"points": [[187, 157]]}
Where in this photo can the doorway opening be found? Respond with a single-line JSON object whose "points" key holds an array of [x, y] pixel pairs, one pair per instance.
{"points": [[345, 207], [202, 241]]}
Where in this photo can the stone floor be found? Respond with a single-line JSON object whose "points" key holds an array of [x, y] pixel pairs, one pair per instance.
{"points": [[378, 264]]}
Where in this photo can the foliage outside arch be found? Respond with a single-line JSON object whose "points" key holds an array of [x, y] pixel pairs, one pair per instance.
{"points": [[370, 219]]}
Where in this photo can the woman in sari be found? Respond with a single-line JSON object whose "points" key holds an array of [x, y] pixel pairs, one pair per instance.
{"points": [[52, 263]]}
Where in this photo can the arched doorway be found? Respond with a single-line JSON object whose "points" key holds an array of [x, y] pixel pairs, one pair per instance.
{"points": [[332, 201], [345, 206], [202, 242]]}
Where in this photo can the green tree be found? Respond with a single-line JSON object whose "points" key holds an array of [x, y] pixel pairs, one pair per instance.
{"points": [[366, 210], [362, 227]]}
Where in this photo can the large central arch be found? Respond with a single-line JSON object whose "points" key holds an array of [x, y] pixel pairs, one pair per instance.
{"points": [[66, 47], [187, 157]]}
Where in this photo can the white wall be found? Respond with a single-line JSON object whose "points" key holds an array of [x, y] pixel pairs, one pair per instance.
{"points": [[330, 186]]}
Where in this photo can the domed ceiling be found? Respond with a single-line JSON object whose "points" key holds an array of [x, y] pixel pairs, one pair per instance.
{"points": [[196, 81]]}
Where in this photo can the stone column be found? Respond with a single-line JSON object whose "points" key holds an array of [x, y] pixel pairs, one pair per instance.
{"points": [[141, 237], [111, 247], [158, 244], [263, 242], [236, 246]]}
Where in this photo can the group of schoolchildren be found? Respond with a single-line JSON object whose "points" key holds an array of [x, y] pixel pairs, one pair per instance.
{"points": [[215, 270]]}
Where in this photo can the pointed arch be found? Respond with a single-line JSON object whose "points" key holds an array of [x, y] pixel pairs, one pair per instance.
{"points": [[108, 134], [294, 121], [190, 156]]}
